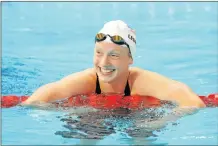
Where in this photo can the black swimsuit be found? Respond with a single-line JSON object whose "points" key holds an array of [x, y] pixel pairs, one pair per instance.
{"points": [[98, 89]]}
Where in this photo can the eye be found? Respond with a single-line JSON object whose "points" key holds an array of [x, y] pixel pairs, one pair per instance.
{"points": [[114, 55], [98, 52]]}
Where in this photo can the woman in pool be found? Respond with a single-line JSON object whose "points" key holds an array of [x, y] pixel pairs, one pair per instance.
{"points": [[115, 45]]}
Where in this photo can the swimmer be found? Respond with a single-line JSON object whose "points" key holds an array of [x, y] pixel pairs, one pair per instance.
{"points": [[115, 46]]}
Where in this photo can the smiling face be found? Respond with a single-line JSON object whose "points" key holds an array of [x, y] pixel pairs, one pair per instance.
{"points": [[111, 61]]}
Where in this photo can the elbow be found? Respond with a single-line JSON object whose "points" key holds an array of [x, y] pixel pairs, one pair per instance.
{"points": [[201, 104], [187, 98]]}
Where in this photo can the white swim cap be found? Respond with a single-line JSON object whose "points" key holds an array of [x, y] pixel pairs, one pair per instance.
{"points": [[120, 28]]}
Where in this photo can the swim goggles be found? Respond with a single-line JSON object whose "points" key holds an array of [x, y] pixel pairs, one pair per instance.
{"points": [[115, 39]]}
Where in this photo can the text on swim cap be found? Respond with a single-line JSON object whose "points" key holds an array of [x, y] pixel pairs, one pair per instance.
{"points": [[132, 38]]}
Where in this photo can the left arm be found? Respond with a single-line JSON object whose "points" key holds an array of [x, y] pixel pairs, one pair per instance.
{"points": [[183, 95], [156, 85], [188, 103], [153, 84]]}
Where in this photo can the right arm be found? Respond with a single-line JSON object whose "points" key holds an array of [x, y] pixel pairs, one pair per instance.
{"points": [[74, 84]]}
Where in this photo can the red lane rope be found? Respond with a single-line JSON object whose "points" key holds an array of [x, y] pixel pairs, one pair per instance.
{"points": [[107, 102]]}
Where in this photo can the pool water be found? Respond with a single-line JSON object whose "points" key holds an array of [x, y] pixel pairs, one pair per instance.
{"points": [[45, 41]]}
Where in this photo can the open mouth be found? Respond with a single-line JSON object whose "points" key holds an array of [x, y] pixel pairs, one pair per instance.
{"points": [[106, 71]]}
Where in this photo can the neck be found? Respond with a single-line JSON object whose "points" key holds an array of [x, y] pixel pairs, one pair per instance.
{"points": [[117, 86]]}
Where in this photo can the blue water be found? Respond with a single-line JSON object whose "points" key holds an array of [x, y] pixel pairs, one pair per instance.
{"points": [[45, 41]]}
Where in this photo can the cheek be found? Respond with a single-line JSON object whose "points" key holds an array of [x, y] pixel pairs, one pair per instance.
{"points": [[125, 63], [121, 64], [95, 60]]}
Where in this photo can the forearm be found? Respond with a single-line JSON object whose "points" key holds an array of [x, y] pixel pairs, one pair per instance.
{"points": [[42, 95]]}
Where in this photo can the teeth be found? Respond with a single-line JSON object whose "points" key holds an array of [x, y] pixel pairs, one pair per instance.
{"points": [[106, 70]]}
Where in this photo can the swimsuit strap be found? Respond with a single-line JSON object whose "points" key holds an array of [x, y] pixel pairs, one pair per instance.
{"points": [[98, 89], [127, 89]]}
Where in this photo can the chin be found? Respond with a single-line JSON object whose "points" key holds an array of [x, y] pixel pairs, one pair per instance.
{"points": [[107, 78]]}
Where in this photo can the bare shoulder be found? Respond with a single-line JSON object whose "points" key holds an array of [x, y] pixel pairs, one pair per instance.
{"points": [[79, 82], [142, 74], [147, 82], [87, 74], [136, 72], [150, 83]]}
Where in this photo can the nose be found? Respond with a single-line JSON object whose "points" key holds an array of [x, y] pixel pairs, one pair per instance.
{"points": [[104, 60]]}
